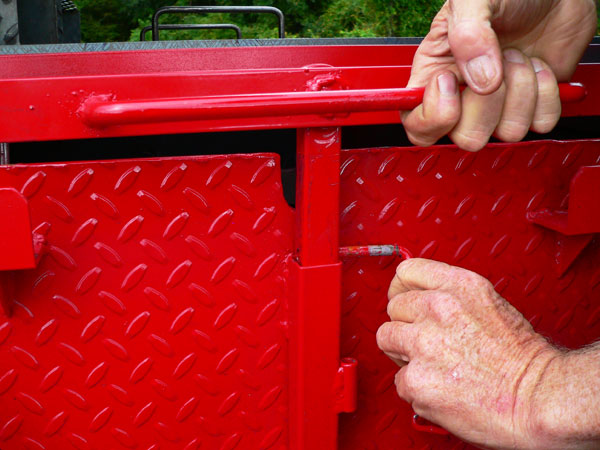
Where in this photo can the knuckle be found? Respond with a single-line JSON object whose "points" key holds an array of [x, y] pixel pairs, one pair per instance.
{"points": [[399, 377], [444, 307], [450, 116], [404, 267], [412, 381], [520, 77], [432, 299], [383, 335], [548, 110], [438, 29], [512, 130], [545, 123], [465, 33], [394, 288], [548, 96], [484, 284], [444, 119], [388, 338], [392, 306], [475, 280], [419, 139], [470, 142], [402, 389], [422, 344]]}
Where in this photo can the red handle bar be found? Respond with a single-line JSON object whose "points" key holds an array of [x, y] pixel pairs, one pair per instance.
{"points": [[101, 112]]}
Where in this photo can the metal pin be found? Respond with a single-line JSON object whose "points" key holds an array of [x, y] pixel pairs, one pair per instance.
{"points": [[374, 250], [4, 154]]}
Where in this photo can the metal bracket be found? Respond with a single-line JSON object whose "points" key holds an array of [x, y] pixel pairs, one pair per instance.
{"points": [[20, 247], [346, 386], [578, 224]]}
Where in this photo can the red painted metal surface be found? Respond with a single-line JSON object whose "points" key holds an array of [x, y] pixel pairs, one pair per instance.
{"points": [[54, 89], [317, 193], [157, 316], [315, 349], [182, 304]]}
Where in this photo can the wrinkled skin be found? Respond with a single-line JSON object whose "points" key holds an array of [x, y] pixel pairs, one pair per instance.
{"points": [[468, 360], [510, 53], [473, 360]]}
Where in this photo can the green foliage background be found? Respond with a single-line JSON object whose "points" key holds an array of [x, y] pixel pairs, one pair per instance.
{"points": [[122, 20]]}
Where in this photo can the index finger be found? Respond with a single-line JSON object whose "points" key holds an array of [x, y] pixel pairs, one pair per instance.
{"points": [[424, 274]]}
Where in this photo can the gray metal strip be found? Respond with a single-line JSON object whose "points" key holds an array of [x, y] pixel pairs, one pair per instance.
{"points": [[168, 45], [592, 54]]}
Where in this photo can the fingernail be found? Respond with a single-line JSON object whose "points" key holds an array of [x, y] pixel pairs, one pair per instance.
{"points": [[481, 70], [514, 56], [447, 84], [537, 65]]}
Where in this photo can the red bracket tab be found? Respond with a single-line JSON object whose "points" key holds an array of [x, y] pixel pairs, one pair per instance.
{"points": [[579, 223], [346, 385], [16, 243], [20, 247], [583, 214]]}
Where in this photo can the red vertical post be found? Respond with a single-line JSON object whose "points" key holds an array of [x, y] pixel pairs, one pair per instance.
{"points": [[317, 196], [316, 285]]}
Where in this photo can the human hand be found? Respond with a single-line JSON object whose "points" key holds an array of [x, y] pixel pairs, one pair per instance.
{"points": [[510, 53], [469, 361]]}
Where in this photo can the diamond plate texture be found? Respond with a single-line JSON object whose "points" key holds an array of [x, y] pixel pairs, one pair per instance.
{"points": [[156, 319], [467, 209], [158, 316]]}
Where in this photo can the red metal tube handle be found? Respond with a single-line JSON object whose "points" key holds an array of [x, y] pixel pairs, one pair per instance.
{"points": [[102, 112], [571, 92], [374, 250]]}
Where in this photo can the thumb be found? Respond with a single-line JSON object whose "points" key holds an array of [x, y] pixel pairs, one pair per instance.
{"points": [[474, 44]]}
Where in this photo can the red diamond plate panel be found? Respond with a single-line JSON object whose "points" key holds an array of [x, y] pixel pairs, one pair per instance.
{"points": [[155, 318], [158, 316], [467, 209]]}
